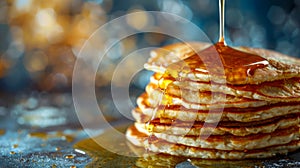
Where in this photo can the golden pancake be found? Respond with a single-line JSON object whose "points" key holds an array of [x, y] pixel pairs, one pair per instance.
{"points": [[209, 99], [161, 146], [162, 57], [177, 127], [281, 90], [279, 65], [232, 114], [203, 101], [230, 142]]}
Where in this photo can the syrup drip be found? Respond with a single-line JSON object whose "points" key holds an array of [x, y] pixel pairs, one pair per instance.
{"points": [[222, 21], [218, 61], [237, 65]]}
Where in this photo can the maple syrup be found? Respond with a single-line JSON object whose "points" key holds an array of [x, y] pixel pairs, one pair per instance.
{"points": [[45, 136], [104, 158], [236, 65], [70, 156], [218, 61], [222, 21]]}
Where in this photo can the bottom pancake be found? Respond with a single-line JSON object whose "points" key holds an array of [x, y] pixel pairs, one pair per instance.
{"points": [[161, 146], [230, 142]]}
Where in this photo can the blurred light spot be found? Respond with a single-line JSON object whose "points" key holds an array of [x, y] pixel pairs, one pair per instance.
{"points": [[234, 18], [257, 33], [36, 61], [276, 15], [60, 80], [289, 27], [241, 37], [15, 49], [138, 21], [23, 5], [204, 5], [47, 25], [116, 51], [31, 103], [45, 17], [176, 7], [129, 45]]}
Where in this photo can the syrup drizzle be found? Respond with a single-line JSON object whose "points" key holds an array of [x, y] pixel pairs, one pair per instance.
{"points": [[218, 61], [222, 21]]}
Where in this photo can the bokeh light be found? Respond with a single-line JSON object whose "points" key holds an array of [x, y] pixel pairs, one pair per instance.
{"points": [[40, 39]]}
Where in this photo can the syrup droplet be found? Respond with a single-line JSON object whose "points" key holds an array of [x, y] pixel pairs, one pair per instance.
{"points": [[70, 156]]}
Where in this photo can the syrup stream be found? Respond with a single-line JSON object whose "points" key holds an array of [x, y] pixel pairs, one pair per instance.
{"points": [[222, 21]]}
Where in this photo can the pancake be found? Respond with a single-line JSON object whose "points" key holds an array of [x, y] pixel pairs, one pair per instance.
{"points": [[230, 142], [162, 57], [281, 90], [177, 127], [161, 146], [189, 97], [228, 114], [204, 101], [279, 66]]}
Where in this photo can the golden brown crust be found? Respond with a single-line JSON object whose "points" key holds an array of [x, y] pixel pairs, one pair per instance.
{"points": [[280, 66], [235, 128], [161, 146]]}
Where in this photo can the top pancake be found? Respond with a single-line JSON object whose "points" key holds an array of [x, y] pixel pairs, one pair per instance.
{"points": [[287, 90], [280, 66]]}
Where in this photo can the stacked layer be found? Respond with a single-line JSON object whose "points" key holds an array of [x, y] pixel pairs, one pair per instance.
{"points": [[218, 102]]}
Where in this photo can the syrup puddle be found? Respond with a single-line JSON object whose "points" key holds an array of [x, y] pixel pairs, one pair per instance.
{"points": [[45, 136], [104, 158]]}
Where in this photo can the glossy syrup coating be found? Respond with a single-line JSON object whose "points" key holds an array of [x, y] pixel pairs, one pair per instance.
{"points": [[219, 60]]}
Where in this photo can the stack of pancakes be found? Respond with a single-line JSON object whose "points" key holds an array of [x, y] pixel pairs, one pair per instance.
{"points": [[196, 114]]}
